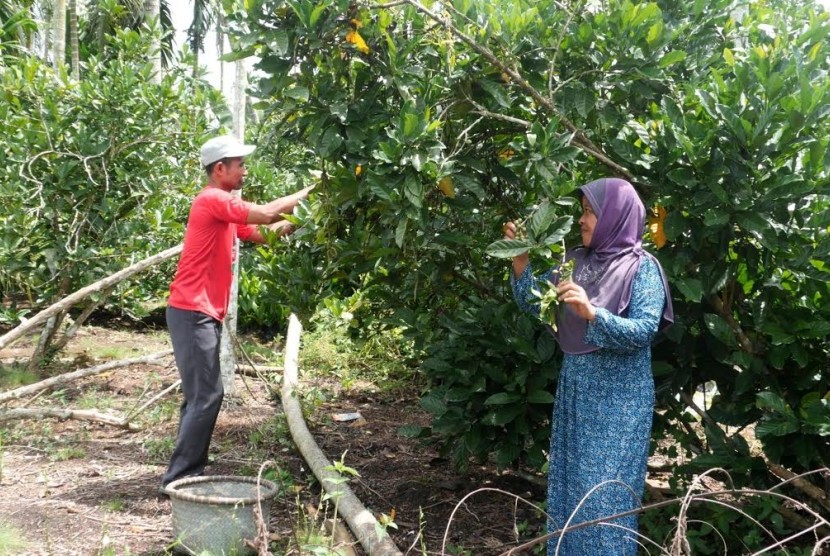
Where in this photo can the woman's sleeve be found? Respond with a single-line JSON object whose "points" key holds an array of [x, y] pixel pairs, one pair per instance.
{"points": [[637, 329], [522, 287]]}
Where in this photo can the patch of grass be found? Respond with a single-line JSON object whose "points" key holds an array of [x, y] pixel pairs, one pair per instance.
{"points": [[115, 505], [380, 362], [261, 354], [67, 453], [112, 353], [11, 541], [164, 411], [92, 398], [159, 448], [15, 375], [274, 430]]}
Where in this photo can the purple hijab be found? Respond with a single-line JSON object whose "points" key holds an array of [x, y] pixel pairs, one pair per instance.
{"points": [[606, 269]]}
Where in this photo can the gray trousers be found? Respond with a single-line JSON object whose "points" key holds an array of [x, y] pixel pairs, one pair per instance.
{"points": [[195, 339]]}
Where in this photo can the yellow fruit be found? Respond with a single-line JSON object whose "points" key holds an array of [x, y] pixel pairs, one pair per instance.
{"points": [[446, 186], [354, 37], [358, 170], [655, 226]]}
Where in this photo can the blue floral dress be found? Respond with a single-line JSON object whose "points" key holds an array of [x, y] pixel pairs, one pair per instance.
{"points": [[602, 420]]}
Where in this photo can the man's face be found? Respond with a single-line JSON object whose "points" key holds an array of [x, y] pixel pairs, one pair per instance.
{"points": [[233, 173]]}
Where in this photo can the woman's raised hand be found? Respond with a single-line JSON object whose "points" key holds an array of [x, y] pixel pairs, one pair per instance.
{"points": [[509, 229], [520, 262]]}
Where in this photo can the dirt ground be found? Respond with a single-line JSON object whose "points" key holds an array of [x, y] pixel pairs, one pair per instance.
{"points": [[81, 488]]}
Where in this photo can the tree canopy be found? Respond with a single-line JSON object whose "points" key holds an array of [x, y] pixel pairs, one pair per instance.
{"points": [[429, 125]]}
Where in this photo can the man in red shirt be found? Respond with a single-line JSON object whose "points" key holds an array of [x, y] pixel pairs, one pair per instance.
{"points": [[200, 292]]}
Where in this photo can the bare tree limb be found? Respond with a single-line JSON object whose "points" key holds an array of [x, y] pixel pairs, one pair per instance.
{"points": [[81, 414], [77, 296], [800, 483], [154, 359], [70, 332], [363, 524]]}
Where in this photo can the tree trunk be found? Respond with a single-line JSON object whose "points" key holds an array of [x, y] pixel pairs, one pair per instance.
{"points": [[220, 49], [73, 40], [59, 33], [151, 15], [227, 360]]}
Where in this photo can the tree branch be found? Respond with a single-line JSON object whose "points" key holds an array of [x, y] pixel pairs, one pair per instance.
{"points": [[77, 296], [580, 139], [81, 373], [81, 414], [368, 531]]}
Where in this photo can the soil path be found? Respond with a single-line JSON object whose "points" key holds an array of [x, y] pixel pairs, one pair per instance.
{"points": [[78, 488]]}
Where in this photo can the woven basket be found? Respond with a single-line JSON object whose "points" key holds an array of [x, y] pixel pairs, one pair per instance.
{"points": [[215, 514]]}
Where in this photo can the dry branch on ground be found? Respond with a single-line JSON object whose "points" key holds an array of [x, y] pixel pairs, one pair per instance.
{"points": [[363, 524]]}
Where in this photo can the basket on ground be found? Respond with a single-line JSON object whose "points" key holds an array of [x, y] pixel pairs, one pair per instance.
{"points": [[215, 514]]}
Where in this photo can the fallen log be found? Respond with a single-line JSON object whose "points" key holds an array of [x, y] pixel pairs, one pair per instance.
{"points": [[371, 535], [81, 294], [154, 359]]}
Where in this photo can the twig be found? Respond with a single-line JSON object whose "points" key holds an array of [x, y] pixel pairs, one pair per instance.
{"points": [[151, 401]]}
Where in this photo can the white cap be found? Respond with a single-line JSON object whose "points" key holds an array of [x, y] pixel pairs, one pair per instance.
{"points": [[223, 146]]}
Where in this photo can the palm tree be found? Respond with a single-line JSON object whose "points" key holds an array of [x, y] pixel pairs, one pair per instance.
{"points": [[104, 17], [17, 27], [151, 15], [73, 39], [58, 33], [203, 19]]}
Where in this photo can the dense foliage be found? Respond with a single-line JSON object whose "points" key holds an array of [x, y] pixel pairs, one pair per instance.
{"points": [[96, 174], [425, 132], [425, 143]]}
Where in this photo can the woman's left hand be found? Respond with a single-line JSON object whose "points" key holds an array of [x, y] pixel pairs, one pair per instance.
{"points": [[575, 296]]}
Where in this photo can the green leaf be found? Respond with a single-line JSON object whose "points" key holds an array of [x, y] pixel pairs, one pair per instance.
{"points": [[719, 328], [672, 57], [541, 219], [561, 228], [496, 91], [773, 402], [298, 92], [316, 13], [508, 248], [411, 122], [654, 33], [400, 232], [433, 404], [503, 415], [776, 427], [502, 398], [691, 288], [539, 396]]}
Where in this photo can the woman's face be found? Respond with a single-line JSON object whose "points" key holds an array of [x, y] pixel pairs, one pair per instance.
{"points": [[587, 222]]}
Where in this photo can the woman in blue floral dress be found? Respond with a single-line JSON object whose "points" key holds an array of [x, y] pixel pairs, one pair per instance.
{"points": [[609, 312]]}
